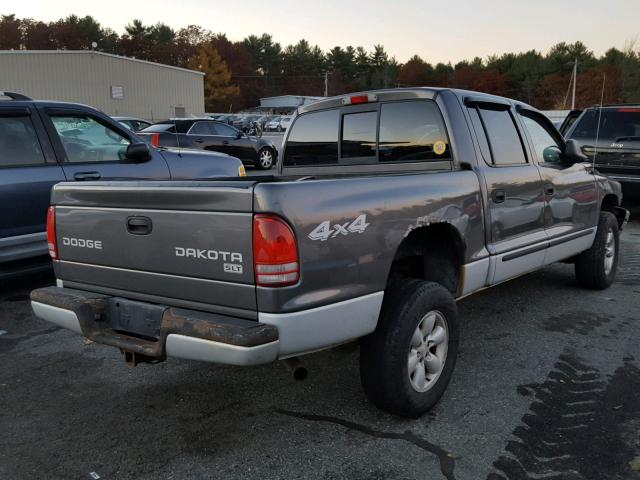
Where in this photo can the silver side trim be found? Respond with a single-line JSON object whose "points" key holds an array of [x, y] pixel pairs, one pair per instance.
{"points": [[475, 276], [323, 327], [568, 249], [191, 348], [60, 316], [23, 246]]}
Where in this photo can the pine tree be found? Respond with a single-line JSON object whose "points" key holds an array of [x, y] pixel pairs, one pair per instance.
{"points": [[218, 90]]}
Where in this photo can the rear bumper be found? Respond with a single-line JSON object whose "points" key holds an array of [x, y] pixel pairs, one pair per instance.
{"points": [[157, 332]]}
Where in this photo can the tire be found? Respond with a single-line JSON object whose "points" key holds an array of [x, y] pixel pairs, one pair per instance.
{"points": [[386, 353], [596, 268], [266, 158]]}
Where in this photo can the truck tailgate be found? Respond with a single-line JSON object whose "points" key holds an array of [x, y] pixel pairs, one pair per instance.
{"points": [[182, 241]]}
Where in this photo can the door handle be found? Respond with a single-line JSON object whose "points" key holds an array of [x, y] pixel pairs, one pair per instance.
{"points": [[498, 196], [225, 142], [549, 190], [82, 176], [139, 225], [199, 140]]}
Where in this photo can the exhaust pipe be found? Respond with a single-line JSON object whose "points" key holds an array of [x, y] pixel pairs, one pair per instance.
{"points": [[297, 369]]}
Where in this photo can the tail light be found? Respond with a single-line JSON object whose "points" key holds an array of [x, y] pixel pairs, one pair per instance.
{"points": [[51, 233], [155, 139], [242, 172], [275, 253]]}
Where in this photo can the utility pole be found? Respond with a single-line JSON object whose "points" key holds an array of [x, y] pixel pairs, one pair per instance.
{"points": [[326, 84], [575, 79]]}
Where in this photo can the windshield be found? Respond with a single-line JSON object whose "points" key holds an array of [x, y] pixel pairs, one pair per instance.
{"points": [[615, 124]]}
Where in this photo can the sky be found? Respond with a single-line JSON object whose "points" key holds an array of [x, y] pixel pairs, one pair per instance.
{"points": [[443, 31]]}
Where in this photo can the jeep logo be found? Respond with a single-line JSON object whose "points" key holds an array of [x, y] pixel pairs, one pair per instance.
{"points": [[203, 254], [81, 243]]}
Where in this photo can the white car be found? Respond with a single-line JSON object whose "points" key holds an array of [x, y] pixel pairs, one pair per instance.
{"points": [[272, 124], [285, 122]]}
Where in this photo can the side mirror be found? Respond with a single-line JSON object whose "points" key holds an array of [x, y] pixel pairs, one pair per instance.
{"points": [[573, 153], [551, 154], [138, 152]]}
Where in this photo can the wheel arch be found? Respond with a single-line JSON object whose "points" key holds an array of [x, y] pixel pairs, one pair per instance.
{"points": [[433, 252]]}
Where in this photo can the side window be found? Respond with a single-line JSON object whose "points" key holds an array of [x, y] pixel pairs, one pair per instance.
{"points": [[19, 145], [412, 131], [480, 133], [201, 128], [223, 130], [313, 140], [504, 139], [86, 140], [545, 146], [359, 135]]}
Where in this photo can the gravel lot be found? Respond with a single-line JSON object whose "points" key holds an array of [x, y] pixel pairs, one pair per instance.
{"points": [[547, 386]]}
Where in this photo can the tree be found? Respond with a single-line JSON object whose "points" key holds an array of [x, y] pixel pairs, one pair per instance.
{"points": [[218, 91], [10, 37], [416, 72]]}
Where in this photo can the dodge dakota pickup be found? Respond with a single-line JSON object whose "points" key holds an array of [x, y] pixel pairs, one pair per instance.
{"points": [[388, 206]]}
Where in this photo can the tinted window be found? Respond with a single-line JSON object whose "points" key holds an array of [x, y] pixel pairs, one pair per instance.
{"points": [[223, 130], [19, 143], [160, 127], [480, 133], [614, 124], [410, 130], [201, 128], [504, 140], [540, 137], [313, 139], [359, 134], [86, 140]]}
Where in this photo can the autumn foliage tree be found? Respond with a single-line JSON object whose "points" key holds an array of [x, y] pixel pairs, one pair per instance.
{"points": [[218, 90], [240, 72]]}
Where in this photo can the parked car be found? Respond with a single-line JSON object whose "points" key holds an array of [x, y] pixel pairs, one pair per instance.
{"points": [[616, 152], [43, 142], [132, 123], [215, 136], [284, 124], [272, 124], [390, 205]]}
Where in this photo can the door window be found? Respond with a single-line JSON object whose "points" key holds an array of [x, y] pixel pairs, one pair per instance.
{"points": [[223, 130], [19, 145], [359, 135], [85, 140], [201, 128], [546, 147], [503, 137], [313, 140], [412, 131]]}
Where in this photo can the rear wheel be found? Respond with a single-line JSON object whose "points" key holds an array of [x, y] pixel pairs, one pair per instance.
{"points": [[265, 158], [406, 364], [596, 268]]}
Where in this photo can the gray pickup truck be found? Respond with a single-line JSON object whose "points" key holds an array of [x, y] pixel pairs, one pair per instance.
{"points": [[388, 207]]}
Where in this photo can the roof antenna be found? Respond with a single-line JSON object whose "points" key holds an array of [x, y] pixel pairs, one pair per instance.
{"points": [[595, 149], [175, 128]]}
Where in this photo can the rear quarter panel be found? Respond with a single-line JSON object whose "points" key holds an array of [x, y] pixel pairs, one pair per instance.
{"points": [[353, 264]]}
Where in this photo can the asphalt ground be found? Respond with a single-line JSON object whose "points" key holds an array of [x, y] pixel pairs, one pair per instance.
{"points": [[547, 385]]}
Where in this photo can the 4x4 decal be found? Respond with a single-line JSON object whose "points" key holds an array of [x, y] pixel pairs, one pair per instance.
{"points": [[324, 231]]}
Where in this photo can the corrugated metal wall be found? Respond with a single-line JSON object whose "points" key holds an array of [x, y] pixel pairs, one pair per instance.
{"points": [[151, 91]]}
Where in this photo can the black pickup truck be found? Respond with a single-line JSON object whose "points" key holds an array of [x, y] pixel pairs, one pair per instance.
{"points": [[389, 206]]}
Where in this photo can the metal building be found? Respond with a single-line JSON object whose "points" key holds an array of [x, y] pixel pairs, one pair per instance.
{"points": [[116, 85]]}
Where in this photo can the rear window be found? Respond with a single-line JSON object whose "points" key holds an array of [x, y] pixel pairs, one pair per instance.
{"points": [[313, 140], [19, 144], [411, 132], [615, 124], [504, 139], [393, 132], [160, 127]]}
